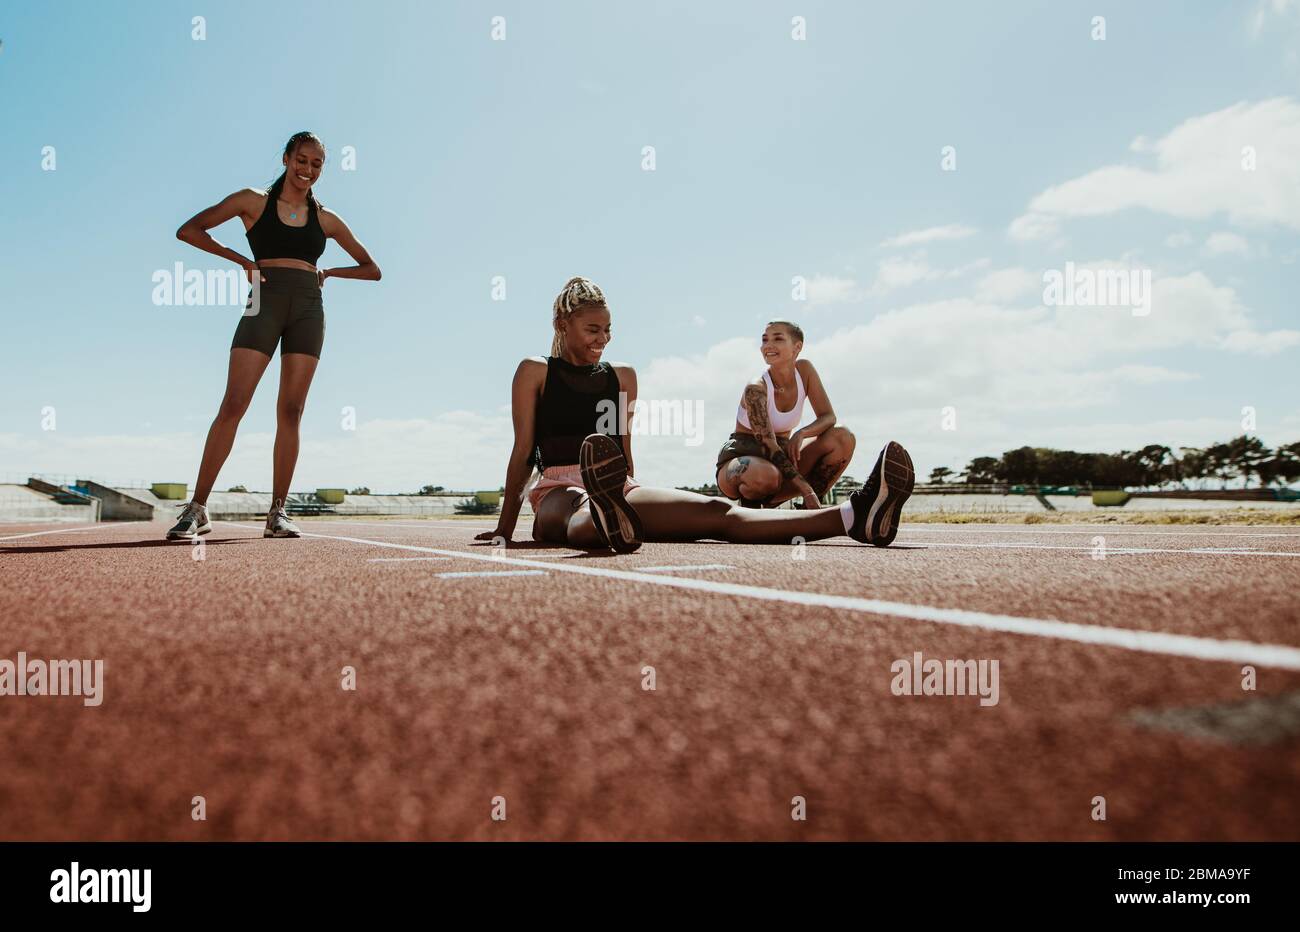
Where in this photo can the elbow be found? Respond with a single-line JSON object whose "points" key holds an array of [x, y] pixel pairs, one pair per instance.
{"points": [[183, 234], [378, 273]]}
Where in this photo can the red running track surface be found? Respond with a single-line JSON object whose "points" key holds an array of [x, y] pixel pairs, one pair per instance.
{"points": [[222, 679]]}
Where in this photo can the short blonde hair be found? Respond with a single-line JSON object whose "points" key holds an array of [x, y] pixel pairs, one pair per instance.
{"points": [[795, 330], [578, 293]]}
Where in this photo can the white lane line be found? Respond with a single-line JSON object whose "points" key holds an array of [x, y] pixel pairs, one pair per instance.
{"points": [[1193, 531], [490, 573], [408, 560], [463, 525], [1199, 551], [694, 566], [71, 530], [1282, 656]]}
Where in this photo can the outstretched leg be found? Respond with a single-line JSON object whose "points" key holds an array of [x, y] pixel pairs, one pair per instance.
{"points": [[296, 372], [674, 515], [246, 368]]}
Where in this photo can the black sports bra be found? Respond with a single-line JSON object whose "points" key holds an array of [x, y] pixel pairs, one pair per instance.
{"points": [[271, 238], [576, 401]]}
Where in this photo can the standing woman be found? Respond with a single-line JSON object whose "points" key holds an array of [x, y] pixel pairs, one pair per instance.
{"points": [[769, 459], [287, 229], [565, 412]]}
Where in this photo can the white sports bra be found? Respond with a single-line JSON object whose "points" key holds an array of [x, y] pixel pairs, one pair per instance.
{"points": [[783, 422]]}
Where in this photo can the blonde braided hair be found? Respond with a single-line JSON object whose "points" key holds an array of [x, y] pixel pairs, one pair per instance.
{"points": [[578, 293]]}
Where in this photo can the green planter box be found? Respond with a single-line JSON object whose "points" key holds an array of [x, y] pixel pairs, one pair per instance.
{"points": [[1107, 498], [488, 498], [331, 496], [170, 491]]}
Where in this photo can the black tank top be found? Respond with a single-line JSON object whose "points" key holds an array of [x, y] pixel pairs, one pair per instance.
{"points": [[271, 238], [576, 401]]}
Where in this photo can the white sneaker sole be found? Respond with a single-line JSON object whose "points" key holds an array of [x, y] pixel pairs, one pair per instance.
{"points": [[897, 479], [205, 529], [604, 471]]}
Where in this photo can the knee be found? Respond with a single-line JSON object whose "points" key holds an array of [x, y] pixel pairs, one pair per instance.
{"points": [[289, 412], [842, 442], [232, 409], [759, 483]]}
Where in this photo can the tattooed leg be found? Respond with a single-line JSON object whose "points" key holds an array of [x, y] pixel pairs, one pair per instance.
{"points": [[750, 477], [825, 474], [823, 461]]}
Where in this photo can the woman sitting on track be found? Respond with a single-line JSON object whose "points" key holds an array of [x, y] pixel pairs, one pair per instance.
{"points": [[763, 463], [565, 411], [287, 229]]}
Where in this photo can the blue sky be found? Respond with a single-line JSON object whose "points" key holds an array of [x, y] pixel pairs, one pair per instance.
{"points": [[775, 158]]}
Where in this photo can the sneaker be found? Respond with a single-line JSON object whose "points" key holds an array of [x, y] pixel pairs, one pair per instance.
{"points": [[278, 523], [879, 503], [604, 472], [192, 523]]}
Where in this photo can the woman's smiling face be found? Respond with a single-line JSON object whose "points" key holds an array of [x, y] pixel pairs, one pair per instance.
{"points": [[302, 169], [779, 345], [587, 333]]}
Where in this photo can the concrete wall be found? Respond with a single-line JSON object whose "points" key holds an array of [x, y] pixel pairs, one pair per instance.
{"points": [[115, 505], [21, 504], [247, 506]]}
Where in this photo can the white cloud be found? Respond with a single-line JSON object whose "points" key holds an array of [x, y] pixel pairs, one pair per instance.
{"points": [[1006, 285], [929, 235], [1198, 174], [1179, 240], [1224, 243], [1261, 344], [1033, 226], [896, 272], [1186, 311], [458, 449], [893, 374], [831, 289]]}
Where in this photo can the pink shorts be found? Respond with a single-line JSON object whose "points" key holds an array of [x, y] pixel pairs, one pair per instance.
{"points": [[564, 477]]}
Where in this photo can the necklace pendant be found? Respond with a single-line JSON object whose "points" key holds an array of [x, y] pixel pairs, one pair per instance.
{"points": [[293, 216]]}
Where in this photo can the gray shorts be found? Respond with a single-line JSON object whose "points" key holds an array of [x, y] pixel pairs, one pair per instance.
{"points": [[290, 313], [738, 445]]}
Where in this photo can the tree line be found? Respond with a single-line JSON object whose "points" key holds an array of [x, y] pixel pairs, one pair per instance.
{"points": [[1243, 458]]}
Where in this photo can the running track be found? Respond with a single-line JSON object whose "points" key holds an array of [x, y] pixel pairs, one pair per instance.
{"points": [[1118, 677]]}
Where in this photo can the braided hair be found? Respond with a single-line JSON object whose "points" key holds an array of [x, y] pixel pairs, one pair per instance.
{"points": [[297, 139], [578, 293]]}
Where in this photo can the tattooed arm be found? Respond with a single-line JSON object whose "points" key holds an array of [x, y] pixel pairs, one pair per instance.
{"points": [[755, 401]]}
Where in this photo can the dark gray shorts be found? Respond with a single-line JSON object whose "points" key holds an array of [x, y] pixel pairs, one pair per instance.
{"points": [[290, 313], [738, 445]]}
